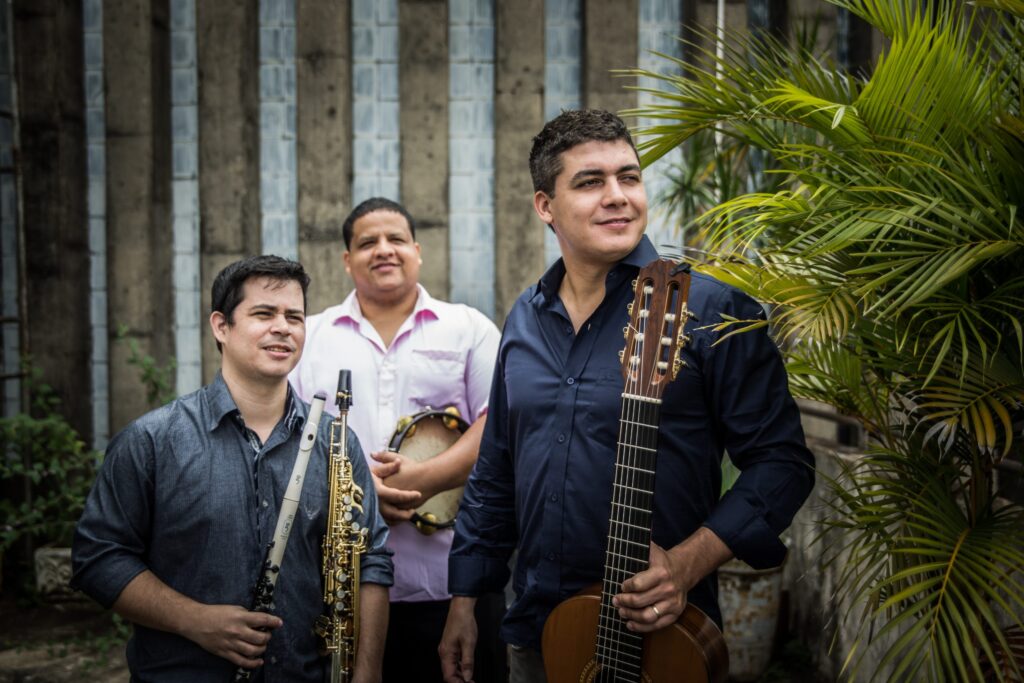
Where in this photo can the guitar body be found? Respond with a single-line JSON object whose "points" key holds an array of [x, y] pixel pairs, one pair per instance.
{"points": [[691, 650]]}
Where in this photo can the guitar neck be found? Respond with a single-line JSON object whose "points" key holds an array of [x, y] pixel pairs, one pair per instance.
{"points": [[629, 530]]}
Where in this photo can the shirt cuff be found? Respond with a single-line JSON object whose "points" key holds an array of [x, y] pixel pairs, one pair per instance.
{"points": [[105, 584], [745, 531], [474, 576], [377, 568]]}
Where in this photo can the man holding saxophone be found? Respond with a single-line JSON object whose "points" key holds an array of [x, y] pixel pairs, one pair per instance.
{"points": [[177, 526]]}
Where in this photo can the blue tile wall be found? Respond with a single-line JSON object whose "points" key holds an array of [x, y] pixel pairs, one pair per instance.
{"points": [[188, 319], [659, 24], [279, 196], [376, 149], [562, 59], [471, 152]]}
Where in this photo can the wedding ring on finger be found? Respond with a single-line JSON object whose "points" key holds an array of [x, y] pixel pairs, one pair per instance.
{"points": [[656, 612]]}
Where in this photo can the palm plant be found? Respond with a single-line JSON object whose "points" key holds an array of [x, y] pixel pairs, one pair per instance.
{"points": [[890, 253]]}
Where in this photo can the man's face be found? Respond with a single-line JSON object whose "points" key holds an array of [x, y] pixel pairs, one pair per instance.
{"points": [[383, 259], [264, 341], [599, 210]]}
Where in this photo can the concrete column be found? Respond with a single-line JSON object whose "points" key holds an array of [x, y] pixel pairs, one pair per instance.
{"points": [[735, 18], [518, 116], [815, 13], [423, 121], [137, 60], [610, 32], [323, 153], [48, 63], [768, 16], [855, 49], [227, 41]]}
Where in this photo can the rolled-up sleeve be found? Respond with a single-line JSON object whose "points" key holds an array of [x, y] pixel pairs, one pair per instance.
{"points": [[761, 430], [111, 538], [375, 564]]}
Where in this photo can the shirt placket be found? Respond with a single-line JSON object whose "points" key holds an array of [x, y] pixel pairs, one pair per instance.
{"points": [[565, 401]]}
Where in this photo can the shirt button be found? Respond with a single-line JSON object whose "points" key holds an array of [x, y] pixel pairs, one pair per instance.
{"points": [[552, 556], [554, 497], [266, 503], [273, 660], [570, 381], [561, 438]]}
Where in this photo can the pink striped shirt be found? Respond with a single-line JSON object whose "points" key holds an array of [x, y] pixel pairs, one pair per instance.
{"points": [[443, 355]]}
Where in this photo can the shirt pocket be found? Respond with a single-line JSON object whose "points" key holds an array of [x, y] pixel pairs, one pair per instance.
{"points": [[436, 378]]}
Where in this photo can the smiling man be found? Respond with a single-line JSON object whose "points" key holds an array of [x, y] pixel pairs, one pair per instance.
{"points": [[543, 480], [408, 352], [175, 530]]}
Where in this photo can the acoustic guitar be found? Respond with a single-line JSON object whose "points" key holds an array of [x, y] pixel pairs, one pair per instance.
{"points": [[584, 638]]}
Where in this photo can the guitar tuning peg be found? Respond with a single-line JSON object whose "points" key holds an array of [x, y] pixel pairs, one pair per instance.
{"points": [[684, 339], [622, 354], [677, 364], [634, 283], [625, 332], [629, 308]]}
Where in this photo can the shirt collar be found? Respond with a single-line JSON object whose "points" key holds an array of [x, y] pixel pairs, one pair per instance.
{"points": [[349, 308], [642, 254], [221, 405]]}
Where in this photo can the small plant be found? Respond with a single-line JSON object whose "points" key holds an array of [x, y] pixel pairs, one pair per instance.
{"points": [[45, 457], [158, 379]]}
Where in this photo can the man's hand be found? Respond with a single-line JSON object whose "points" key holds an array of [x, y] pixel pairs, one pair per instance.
{"points": [[459, 641], [655, 597], [228, 631], [232, 632], [396, 504]]}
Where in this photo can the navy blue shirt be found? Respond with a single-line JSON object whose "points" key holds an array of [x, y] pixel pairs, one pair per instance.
{"points": [[189, 493], [543, 480]]}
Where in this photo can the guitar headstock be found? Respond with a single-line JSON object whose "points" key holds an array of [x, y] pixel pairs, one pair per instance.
{"points": [[655, 337]]}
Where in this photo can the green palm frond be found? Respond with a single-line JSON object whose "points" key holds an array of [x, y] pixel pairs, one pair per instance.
{"points": [[887, 247], [921, 564]]}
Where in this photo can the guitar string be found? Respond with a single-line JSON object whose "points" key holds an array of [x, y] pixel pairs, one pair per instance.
{"points": [[608, 637], [613, 623], [627, 508]]}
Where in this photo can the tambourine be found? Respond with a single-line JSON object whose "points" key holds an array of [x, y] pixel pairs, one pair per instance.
{"points": [[420, 437]]}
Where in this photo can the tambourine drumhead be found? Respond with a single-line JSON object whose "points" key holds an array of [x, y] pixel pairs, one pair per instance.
{"points": [[420, 438]]}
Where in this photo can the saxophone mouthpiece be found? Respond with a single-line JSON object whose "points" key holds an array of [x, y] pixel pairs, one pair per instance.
{"points": [[343, 398]]}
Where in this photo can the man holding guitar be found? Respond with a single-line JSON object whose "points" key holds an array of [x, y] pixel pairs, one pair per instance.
{"points": [[408, 352], [543, 482]]}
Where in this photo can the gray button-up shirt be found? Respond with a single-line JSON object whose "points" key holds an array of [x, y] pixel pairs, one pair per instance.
{"points": [[184, 493]]}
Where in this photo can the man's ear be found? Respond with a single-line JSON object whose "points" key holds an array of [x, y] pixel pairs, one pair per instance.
{"points": [[419, 252], [218, 325], [542, 206], [344, 259]]}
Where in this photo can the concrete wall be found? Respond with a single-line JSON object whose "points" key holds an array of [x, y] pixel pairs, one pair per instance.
{"points": [[48, 71], [240, 127]]}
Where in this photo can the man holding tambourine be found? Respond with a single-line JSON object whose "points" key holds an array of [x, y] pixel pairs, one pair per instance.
{"points": [[421, 375]]}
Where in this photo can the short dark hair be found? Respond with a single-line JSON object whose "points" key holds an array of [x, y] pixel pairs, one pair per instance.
{"points": [[570, 128], [369, 206], [228, 287]]}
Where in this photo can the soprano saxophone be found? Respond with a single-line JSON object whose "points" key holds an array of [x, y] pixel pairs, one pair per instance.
{"points": [[344, 542]]}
